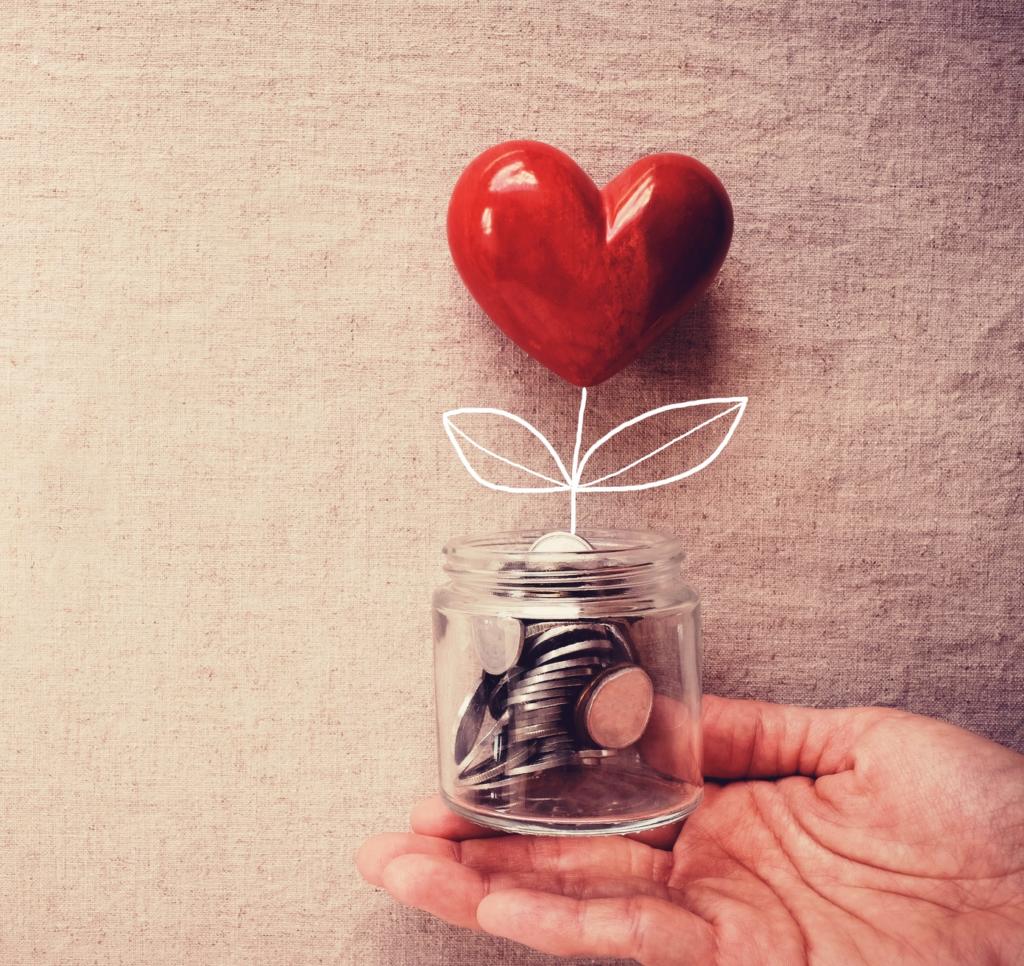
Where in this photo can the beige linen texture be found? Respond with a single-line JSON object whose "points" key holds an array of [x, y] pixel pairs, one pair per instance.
{"points": [[230, 324]]}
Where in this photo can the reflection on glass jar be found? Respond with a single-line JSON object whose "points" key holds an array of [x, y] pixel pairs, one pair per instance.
{"points": [[568, 684]]}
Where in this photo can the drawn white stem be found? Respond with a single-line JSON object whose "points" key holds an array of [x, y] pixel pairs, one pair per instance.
{"points": [[577, 470]]}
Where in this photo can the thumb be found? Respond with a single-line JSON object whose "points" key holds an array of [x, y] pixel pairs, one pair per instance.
{"points": [[754, 739]]}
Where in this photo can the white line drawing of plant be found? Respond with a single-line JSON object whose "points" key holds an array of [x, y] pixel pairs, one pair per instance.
{"points": [[571, 481]]}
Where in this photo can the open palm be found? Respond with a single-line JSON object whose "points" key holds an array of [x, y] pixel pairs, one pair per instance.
{"points": [[857, 835]]}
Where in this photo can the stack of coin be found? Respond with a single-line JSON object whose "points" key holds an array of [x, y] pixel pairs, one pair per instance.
{"points": [[553, 694]]}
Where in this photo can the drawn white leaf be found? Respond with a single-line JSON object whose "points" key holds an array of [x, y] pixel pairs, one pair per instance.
{"points": [[518, 436], [707, 417]]}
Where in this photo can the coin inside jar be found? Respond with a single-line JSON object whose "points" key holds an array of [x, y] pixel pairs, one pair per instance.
{"points": [[615, 707], [470, 718], [558, 541], [577, 649], [498, 641]]}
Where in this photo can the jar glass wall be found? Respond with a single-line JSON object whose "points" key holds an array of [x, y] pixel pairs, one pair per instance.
{"points": [[568, 684]]}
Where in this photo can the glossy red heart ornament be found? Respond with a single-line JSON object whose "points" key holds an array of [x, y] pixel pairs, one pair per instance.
{"points": [[584, 279]]}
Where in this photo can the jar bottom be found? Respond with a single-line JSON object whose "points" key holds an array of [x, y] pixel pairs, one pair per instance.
{"points": [[538, 805]]}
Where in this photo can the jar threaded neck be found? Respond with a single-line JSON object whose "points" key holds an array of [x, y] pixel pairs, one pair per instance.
{"points": [[624, 563]]}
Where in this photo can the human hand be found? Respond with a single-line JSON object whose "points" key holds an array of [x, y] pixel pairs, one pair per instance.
{"points": [[841, 836]]}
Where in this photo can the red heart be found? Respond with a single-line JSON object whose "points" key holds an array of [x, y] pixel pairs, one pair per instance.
{"points": [[585, 279]]}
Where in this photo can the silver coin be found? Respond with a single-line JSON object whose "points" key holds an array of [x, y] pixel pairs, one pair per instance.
{"points": [[583, 665], [492, 769], [551, 634], [533, 732], [521, 713], [488, 773], [497, 785], [498, 642], [539, 704], [549, 641], [558, 541], [535, 630], [620, 637], [556, 681], [537, 688], [564, 679], [518, 729], [484, 747], [552, 743], [470, 718], [498, 701], [542, 764], [561, 694], [546, 699], [598, 645], [495, 769], [554, 712], [561, 722]]}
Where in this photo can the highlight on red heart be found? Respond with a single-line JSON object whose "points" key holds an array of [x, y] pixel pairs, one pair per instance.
{"points": [[585, 279]]}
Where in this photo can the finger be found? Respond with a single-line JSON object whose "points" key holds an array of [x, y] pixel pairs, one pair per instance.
{"points": [[671, 741], [376, 853], [433, 817], [614, 856], [663, 837], [754, 739], [648, 929], [442, 887], [438, 885]]}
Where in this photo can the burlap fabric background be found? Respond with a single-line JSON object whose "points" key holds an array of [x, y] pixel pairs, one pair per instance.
{"points": [[230, 324]]}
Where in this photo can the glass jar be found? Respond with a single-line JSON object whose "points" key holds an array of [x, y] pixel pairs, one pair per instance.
{"points": [[568, 684]]}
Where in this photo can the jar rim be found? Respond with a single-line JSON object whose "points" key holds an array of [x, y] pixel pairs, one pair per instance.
{"points": [[620, 550]]}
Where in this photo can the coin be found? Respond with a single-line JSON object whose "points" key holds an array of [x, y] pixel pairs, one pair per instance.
{"points": [[545, 707], [553, 690], [532, 732], [617, 634], [565, 692], [533, 628], [539, 704], [582, 665], [538, 709], [471, 717], [576, 649], [615, 707], [558, 541], [551, 635], [498, 701], [547, 682], [552, 682], [552, 743], [542, 764], [498, 642], [484, 744], [543, 630], [497, 784], [531, 697], [492, 770]]}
